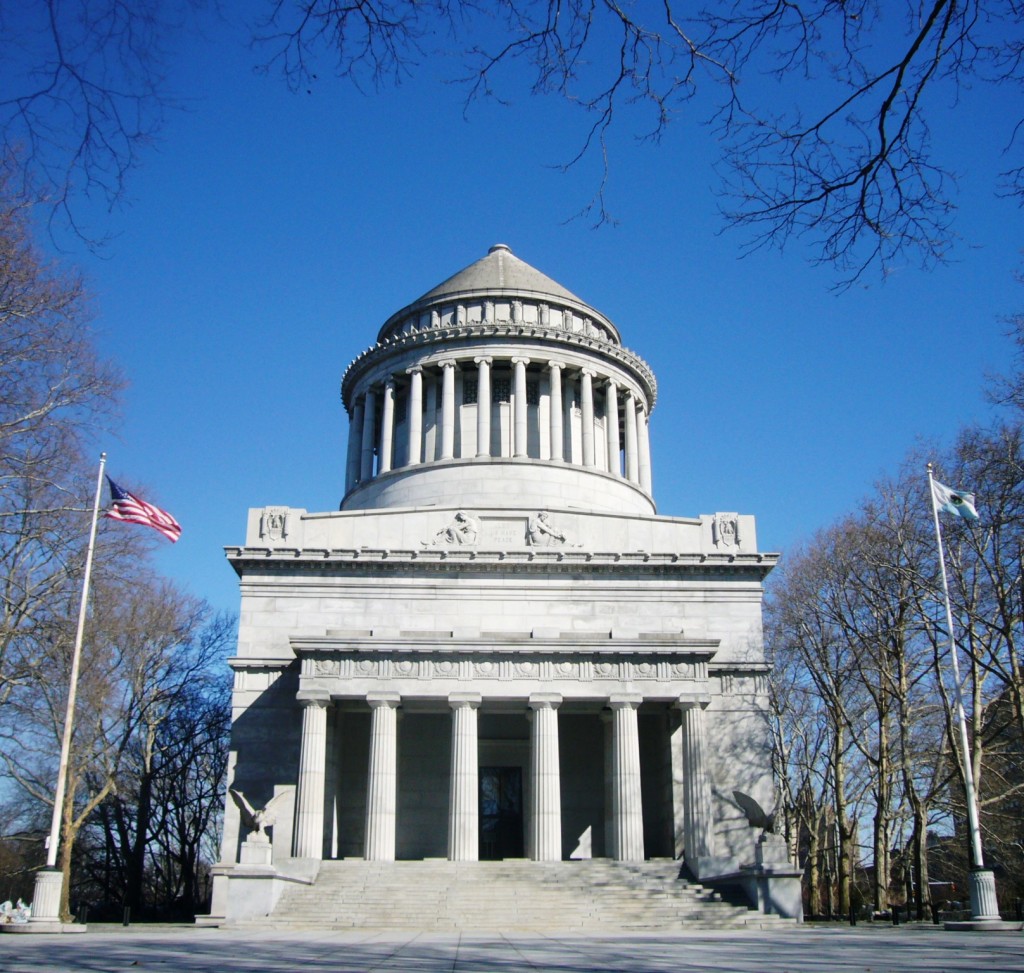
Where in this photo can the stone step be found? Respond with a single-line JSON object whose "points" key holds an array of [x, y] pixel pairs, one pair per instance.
{"points": [[487, 896]]}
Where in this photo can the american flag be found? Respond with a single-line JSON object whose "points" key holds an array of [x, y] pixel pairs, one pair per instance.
{"points": [[132, 510]]}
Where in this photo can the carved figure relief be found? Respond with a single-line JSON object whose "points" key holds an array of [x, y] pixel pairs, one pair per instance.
{"points": [[463, 531], [540, 532], [274, 524], [725, 530]]}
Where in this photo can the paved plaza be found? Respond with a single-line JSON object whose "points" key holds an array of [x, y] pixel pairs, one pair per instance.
{"points": [[865, 949]]}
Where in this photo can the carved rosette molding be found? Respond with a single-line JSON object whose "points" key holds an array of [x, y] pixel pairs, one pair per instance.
{"points": [[353, 666]]}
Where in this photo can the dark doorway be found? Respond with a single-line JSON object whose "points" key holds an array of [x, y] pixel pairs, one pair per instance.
{"points": [[501, 813]]}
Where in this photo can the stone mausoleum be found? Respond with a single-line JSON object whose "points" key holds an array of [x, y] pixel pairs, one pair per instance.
{"points": [[496, 648]]}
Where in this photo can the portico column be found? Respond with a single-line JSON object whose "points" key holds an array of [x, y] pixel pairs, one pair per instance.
{"points": [[415, 415], [644, 448], [387, 427], [382, 782], [557, 419], [545, 779], [611, 411], [309, 808], [520, 396], [369, 421], [632, 459], [698, 831], [447, 408], [587, 415], [483, 406], [627, 806], [463, 792], [353, 458]]}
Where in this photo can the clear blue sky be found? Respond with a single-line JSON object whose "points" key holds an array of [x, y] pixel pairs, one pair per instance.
{"points": [[270, 234]]}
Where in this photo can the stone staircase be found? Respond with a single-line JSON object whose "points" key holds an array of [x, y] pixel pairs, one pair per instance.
{"points": [[511, 895]]}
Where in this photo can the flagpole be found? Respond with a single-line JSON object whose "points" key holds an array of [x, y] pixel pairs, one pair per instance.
{"points": [[49, 910], [984, 906]]}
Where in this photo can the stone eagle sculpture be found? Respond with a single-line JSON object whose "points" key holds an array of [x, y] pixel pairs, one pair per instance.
{"points": [[259, 820], [756, 815]]}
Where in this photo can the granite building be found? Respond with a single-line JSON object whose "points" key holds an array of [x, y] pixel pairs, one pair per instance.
{"points": [[496, 648]]}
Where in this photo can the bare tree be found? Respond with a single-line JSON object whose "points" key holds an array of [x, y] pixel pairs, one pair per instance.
{"points": [[839, 150], [84, 91]]}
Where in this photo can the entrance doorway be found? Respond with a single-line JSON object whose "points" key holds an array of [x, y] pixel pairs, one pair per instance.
{"points": [[501, 813]]}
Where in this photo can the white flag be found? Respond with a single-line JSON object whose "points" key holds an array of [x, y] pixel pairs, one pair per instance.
{"points": [[954, 502]]}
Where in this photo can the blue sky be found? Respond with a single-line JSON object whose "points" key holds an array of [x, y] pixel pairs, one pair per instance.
{"points": [[270, 234]]}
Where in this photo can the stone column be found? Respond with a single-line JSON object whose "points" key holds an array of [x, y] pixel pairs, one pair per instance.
{"points": [[369, 434], [415, 424], [698, 830], [309, 806], [464, 789], [627, 806], [632, 458], [557, 416], [643, 448], [483, 406], [545, 779], [447, 408], [387, 427], [519, 448], [353, 458], [611, 410], [587, 415], [382, 782]]}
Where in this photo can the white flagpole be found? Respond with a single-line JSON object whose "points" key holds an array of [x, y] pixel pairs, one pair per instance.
{"points": [[49, 910], [983, 906]]}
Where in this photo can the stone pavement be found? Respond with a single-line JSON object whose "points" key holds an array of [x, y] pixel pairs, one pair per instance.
{"points": [[864, 949]]}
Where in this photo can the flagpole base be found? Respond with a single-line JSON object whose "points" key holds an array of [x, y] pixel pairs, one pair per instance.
{"points": [[45, 917], [984, 906]]}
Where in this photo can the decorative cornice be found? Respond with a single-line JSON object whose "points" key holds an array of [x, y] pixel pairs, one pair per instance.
{"points": [[371, 358]]}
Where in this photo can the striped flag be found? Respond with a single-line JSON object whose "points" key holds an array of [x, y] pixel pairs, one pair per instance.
{"points": [[132, 510]]}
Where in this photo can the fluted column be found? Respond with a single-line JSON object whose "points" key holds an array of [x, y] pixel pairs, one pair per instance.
{"points": [[698, 830], [483, 406], [415, 423], [369, 433], [632, 457], [519, 364], [627, 806], [587, 415], [643, 448], [464, 789], [353, 458], [545, 779], [557, 417], [309, 807], [611, 412], [447, 408], [387, 427], [382, 781]]}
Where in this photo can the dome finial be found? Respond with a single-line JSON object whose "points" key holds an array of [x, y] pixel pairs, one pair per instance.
{"points": [[500, 246]]}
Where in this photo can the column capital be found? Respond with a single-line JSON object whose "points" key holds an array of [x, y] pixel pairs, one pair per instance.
{"points": [[545, 700], [313, 697], [457, 700], [622, 700], [483, 360], [391, 700], [447, 363], [414, 370], [556, 364], [692, 700], [389, 382], [588, 372], [519, 360], [611, 384]]}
